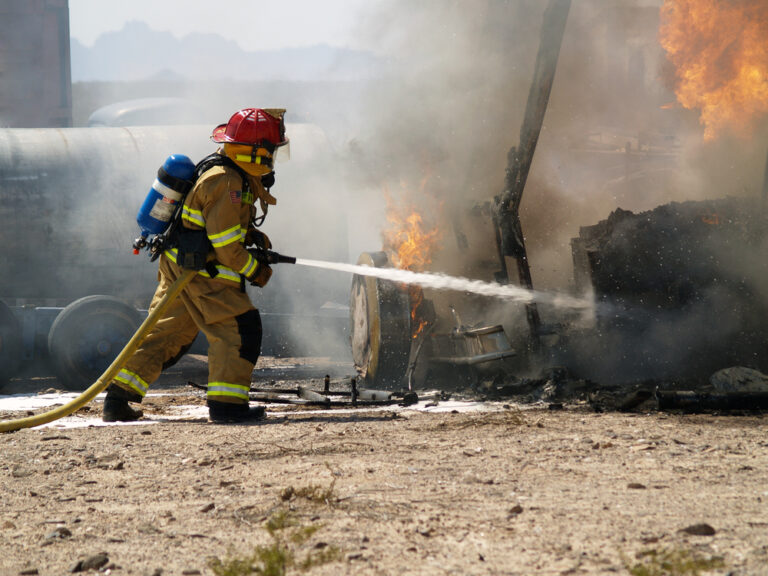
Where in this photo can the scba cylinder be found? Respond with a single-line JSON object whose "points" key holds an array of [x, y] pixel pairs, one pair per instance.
{"points": [[174, 179]]}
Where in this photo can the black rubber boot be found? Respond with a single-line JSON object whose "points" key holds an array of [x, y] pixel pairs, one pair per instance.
{"points": [[228, 413], [116, 407]]}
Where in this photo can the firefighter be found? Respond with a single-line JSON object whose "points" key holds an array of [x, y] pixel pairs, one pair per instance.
{"points": [[218, 222]]}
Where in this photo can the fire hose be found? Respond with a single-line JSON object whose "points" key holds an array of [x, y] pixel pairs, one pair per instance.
{"points": [[143, 331], [103, 381]]}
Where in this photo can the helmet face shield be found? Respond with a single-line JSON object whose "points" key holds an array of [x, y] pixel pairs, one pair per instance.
{"points": [[283, 152]]}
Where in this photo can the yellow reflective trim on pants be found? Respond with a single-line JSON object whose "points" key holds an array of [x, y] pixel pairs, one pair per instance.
{"points": [[224, 273], [133, 380], [193, 216], [227, 237], [227, 389]]}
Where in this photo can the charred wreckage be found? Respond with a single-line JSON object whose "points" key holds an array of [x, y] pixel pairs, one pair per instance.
{"points": [[677, 320]]}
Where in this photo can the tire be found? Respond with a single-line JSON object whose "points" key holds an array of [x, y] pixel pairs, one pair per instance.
{"points": [[87, 336], [380, 327], [10, 344]]}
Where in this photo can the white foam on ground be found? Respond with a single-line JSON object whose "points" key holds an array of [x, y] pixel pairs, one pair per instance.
{"points": [[16, 402], [21, 402]]}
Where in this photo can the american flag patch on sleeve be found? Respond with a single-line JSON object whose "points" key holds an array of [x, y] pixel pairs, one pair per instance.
{"points": [[235, 196]]}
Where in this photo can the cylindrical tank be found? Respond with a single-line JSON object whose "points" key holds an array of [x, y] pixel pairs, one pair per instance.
{"points": [[174, 179], [69, 204]]}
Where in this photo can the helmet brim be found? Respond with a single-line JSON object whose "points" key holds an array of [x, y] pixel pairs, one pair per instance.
{"points": [[219, 134]]}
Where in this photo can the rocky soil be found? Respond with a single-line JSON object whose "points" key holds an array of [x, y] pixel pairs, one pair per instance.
{"points": [[449, 488]]}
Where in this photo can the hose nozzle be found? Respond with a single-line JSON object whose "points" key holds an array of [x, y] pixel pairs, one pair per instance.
{"points": [[271, 257]]}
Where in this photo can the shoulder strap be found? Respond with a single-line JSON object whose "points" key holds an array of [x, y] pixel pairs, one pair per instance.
{"points": [[217, 159]]}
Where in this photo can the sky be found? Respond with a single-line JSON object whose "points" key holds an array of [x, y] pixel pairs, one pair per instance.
{"points": [[254, 25]]}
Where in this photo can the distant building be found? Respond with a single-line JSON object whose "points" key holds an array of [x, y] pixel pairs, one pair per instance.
{"points": [[35, 78]]}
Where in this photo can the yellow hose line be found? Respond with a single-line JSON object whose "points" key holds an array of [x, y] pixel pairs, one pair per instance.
{"points": [[110, 373]]}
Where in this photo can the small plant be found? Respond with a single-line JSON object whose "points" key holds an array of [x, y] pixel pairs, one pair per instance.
{"points": [[274, 560], [287, 535], [279, 521], [314, 492], [675, 562], [232, 566], [320, 557], [279, 557], [304, 533]]}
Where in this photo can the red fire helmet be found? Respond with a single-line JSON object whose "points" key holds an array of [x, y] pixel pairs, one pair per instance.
{"points": [[253, 127]]}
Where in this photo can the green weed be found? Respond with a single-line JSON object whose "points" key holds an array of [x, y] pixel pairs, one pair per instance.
{"points": [[232, 566], [675, 562], [279, 521], [320, 557], [313, 493], [274, 560], [304, 533]]}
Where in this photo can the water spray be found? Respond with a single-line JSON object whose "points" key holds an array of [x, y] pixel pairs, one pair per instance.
{"points": [[438, 281]]}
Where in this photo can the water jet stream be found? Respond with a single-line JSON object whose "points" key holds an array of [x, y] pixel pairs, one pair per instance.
{"points": [[438, 281]]}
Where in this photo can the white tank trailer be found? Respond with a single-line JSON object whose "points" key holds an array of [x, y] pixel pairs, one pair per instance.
{"points": [[71, 290]]}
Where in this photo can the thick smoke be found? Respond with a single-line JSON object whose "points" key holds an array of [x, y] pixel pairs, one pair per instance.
{"points": [[613, 137], [444, 113]]}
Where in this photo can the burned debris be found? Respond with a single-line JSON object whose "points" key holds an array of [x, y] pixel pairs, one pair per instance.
{"points": [[677, 292]]}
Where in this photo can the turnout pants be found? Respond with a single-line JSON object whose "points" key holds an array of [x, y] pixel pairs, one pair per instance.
{"points": [[218, 308]]}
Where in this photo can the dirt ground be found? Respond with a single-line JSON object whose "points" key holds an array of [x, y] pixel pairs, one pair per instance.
{"points": [[437, 488]]}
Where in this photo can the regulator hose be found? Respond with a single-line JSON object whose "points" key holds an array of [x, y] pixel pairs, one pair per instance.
{"points": [[103, 381]]}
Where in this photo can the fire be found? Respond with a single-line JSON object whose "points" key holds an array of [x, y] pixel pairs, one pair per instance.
{"points": [[408, 241], [720, 54], [417, 323]]}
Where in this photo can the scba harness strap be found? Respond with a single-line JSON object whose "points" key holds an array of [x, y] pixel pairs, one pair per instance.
{"points": [[193, 246], [213, 160]]}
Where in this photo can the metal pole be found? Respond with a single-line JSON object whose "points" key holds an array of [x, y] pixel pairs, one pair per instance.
{"points": [[521, 157]]}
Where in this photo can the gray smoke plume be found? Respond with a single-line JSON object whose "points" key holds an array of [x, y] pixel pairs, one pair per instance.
{"points": [[433, 129], [452, 106]]}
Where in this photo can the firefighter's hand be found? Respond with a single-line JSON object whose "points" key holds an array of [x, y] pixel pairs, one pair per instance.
{"points": [[257, 238], [261, 276]]}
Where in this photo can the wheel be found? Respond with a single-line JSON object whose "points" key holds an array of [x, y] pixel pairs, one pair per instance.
{"points": [[380, 318], [87, 336], [10, 344]]}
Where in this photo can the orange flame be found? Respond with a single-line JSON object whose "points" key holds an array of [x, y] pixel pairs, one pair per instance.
{"points": [[409, 243], [417, 324], [720, 54]]}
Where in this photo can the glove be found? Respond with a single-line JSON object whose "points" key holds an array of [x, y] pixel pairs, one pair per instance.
{"points": [[261, 276], [263, 272], [257, 238]]}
